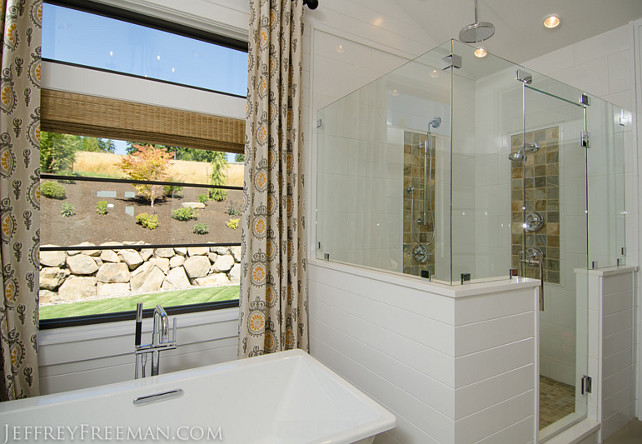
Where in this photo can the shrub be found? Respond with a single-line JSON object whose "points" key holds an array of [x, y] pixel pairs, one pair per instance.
{"points": [[53, 190], [203, 198], [233, 223], [184, 214], [149, 221], [218, 195], [201, 229], [147, 163], [67, 209], [233, 211], [173, 191], [101, 207]]}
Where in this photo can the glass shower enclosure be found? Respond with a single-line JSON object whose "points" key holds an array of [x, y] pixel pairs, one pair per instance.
{"points": [[461, 169]]}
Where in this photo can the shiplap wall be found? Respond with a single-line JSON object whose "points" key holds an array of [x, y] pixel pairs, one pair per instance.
{"points": [[453, 365]]}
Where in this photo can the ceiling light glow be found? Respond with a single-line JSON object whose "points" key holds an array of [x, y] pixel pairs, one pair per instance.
{"points": [[552, 21], [480, 52]]}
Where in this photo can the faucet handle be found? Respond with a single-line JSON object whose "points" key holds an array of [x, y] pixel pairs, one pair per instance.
{"points": [[173, 339]]}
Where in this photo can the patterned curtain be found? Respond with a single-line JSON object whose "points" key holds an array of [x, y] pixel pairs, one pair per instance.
{"points": [[20, 195], [273, 301]]}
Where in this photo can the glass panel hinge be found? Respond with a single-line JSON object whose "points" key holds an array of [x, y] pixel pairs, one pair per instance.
{"points": [[587, 383], [584, 139]]}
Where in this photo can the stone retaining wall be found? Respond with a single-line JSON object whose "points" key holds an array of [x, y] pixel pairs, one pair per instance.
{"points": [[74, 275]]}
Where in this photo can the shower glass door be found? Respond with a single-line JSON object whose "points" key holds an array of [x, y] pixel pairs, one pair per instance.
{"points": [[553, 232]]}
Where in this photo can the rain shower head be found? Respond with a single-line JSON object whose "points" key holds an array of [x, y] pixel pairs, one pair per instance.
{"points": [[476, 32]]}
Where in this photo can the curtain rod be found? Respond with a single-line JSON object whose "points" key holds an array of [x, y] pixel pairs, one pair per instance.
{"points": [[312, 4]]}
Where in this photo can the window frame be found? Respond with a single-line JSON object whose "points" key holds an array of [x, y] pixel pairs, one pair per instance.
{"points": [[149, 22], [168, 26]]}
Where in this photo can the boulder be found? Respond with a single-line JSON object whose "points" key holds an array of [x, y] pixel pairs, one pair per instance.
{"points": [[162, 263], [164, 252], [46, 297], [181, 250], [81, 264], [77, 288], [176, 279], [113, 273], [197, 266], [52, 258], [147, 278], [236, 253], [105, 291], [52, 277], [131, 258], [196, 205], [235, 274], [176, 261], [85, 252], [212, 257], [111, 244], [109, 256], [213, 280], [223, 264], [221, 251], [146, 253], [197, 251]]}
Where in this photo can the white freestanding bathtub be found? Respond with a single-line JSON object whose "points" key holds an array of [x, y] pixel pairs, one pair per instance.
{"points": [[283, 398]]}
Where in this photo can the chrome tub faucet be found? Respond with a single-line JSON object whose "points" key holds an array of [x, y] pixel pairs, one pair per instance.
{"points": [[162, 340]]}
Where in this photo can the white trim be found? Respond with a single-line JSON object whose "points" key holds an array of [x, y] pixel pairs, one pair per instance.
{"points": [[60, 77], [229, 22], [68, 335], [409, 281]]}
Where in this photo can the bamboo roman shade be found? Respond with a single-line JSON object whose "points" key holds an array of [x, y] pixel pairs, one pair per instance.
{"points": [[80, 114]]}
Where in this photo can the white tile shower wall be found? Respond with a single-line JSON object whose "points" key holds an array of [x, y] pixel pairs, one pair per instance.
{"points": [[614, 50], [453, 369]]}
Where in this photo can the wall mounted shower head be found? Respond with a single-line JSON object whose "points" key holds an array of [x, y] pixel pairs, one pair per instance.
{"points": [[434, 123], [521, 153], [516, 156]]}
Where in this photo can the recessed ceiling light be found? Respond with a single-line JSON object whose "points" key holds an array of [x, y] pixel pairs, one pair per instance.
{"points": [[480, 52], [434, 74], [552, 21]]}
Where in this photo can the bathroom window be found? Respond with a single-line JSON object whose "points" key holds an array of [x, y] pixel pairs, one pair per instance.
{"points": [[88, 39], [139, 203]]}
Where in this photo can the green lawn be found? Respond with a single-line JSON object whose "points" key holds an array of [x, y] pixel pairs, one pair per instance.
{"points": [[166, 299]]}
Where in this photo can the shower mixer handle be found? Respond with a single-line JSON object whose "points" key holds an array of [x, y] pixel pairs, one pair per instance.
{"points": [[535, 257]]}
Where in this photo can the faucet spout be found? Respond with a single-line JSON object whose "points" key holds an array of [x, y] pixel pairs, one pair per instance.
{"points": [[160, 332], [161, 341]]}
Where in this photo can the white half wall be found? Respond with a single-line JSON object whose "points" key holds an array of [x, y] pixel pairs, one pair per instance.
{"points": [[454, 364]]}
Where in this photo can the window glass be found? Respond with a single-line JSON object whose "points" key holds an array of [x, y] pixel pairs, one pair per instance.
{"points": [[140, 242], [87, 39]]}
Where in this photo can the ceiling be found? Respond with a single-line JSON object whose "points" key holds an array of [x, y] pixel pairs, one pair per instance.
{"points": [[519, 33]]}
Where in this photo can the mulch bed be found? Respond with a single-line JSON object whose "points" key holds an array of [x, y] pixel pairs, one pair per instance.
{"points": [[119, 225]]}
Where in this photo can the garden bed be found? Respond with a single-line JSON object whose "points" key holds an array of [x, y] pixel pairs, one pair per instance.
{"points": [[119, 224]]}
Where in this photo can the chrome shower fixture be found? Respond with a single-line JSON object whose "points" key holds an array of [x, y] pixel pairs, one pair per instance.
{"points": [[434, 123], [477, 32], [521, 153]]}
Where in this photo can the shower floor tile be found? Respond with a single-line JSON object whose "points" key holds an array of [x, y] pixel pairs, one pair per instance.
{"points": [[556, 400]]}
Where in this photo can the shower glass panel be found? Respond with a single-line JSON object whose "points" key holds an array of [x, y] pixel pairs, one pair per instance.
{"points": [[554, 192], [414, 176]]}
